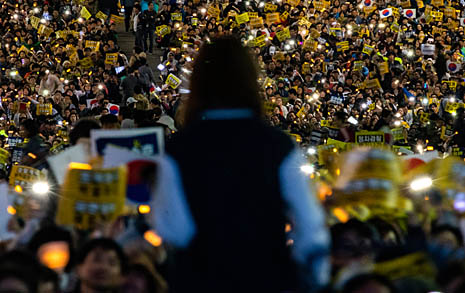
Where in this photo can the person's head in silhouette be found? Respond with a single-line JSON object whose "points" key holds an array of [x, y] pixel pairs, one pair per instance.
{"points": [[224, 77]]}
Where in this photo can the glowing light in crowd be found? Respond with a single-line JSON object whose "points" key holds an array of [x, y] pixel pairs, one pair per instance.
{"points": [[18, 189], [40, 187], [411, 99], [420, 148], [100, 87], [261, 4], [203, 10], [364, 106], [421, 184], [452, 99], [152, 238], [54, 255], [144, 209], [410, 53], [15, 16], [425, 101], [315, 95], [397, 123], [161, 67], [42, 20], [11, 210], [398, 115], [45, 92], [287, 47], [311, 151], [80, 166], [307, 169], [36, 10]]}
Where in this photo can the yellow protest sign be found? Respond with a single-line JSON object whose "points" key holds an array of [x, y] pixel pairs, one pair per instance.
{"points": [[260, 41], [44, 109], [437, 3], [372, 83], [116, 18], [284, 16], [101, 15], [94, 45], [269, 7], [452, 107], [450, 12], [372, 138], [242, 18], [273, 17], [367, 49], [283, 34], [24, 176], [256, 22], [92, 197], [253, 15], [213, 12], [163, 30], [398, 134], [176, 16], [86, 63], [293, 3], [358, 65], [405, 4], [173, 81], [306, 68], [437, 15], [342, 46], [44, 30], [310, 45], [383, 67], [34, 21], [111, 58], [85, 13], [321, 5], [424, 117]]}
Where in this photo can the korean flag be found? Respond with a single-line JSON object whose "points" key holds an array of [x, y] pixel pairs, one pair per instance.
{"points": [[385, 13], [409, 13], [453, 66]]}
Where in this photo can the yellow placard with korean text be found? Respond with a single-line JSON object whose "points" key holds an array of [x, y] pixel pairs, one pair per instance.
{"points": [[44, 30], [437, 3], [273, 17], [283, 34], [269, 7], [176, 16], [86, 63], [85, 13], [111, 58], [213, 12], [367, 49], [242, 18], [116, 18], [34, 21], [101, 15], [163, 30], [44, 109], [94, 45], [450, 12], [383, 67], [173, 81], [372, 83], [24, 176], [92, 197], [256, 22]]}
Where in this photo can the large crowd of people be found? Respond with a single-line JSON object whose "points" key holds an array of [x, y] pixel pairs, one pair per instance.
{"points": [[333, 75]]}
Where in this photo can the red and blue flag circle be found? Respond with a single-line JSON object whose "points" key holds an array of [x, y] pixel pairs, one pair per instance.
{"points": [[386, 12], [367, 2], [409, 13], [114, 110], [452, 66]]}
